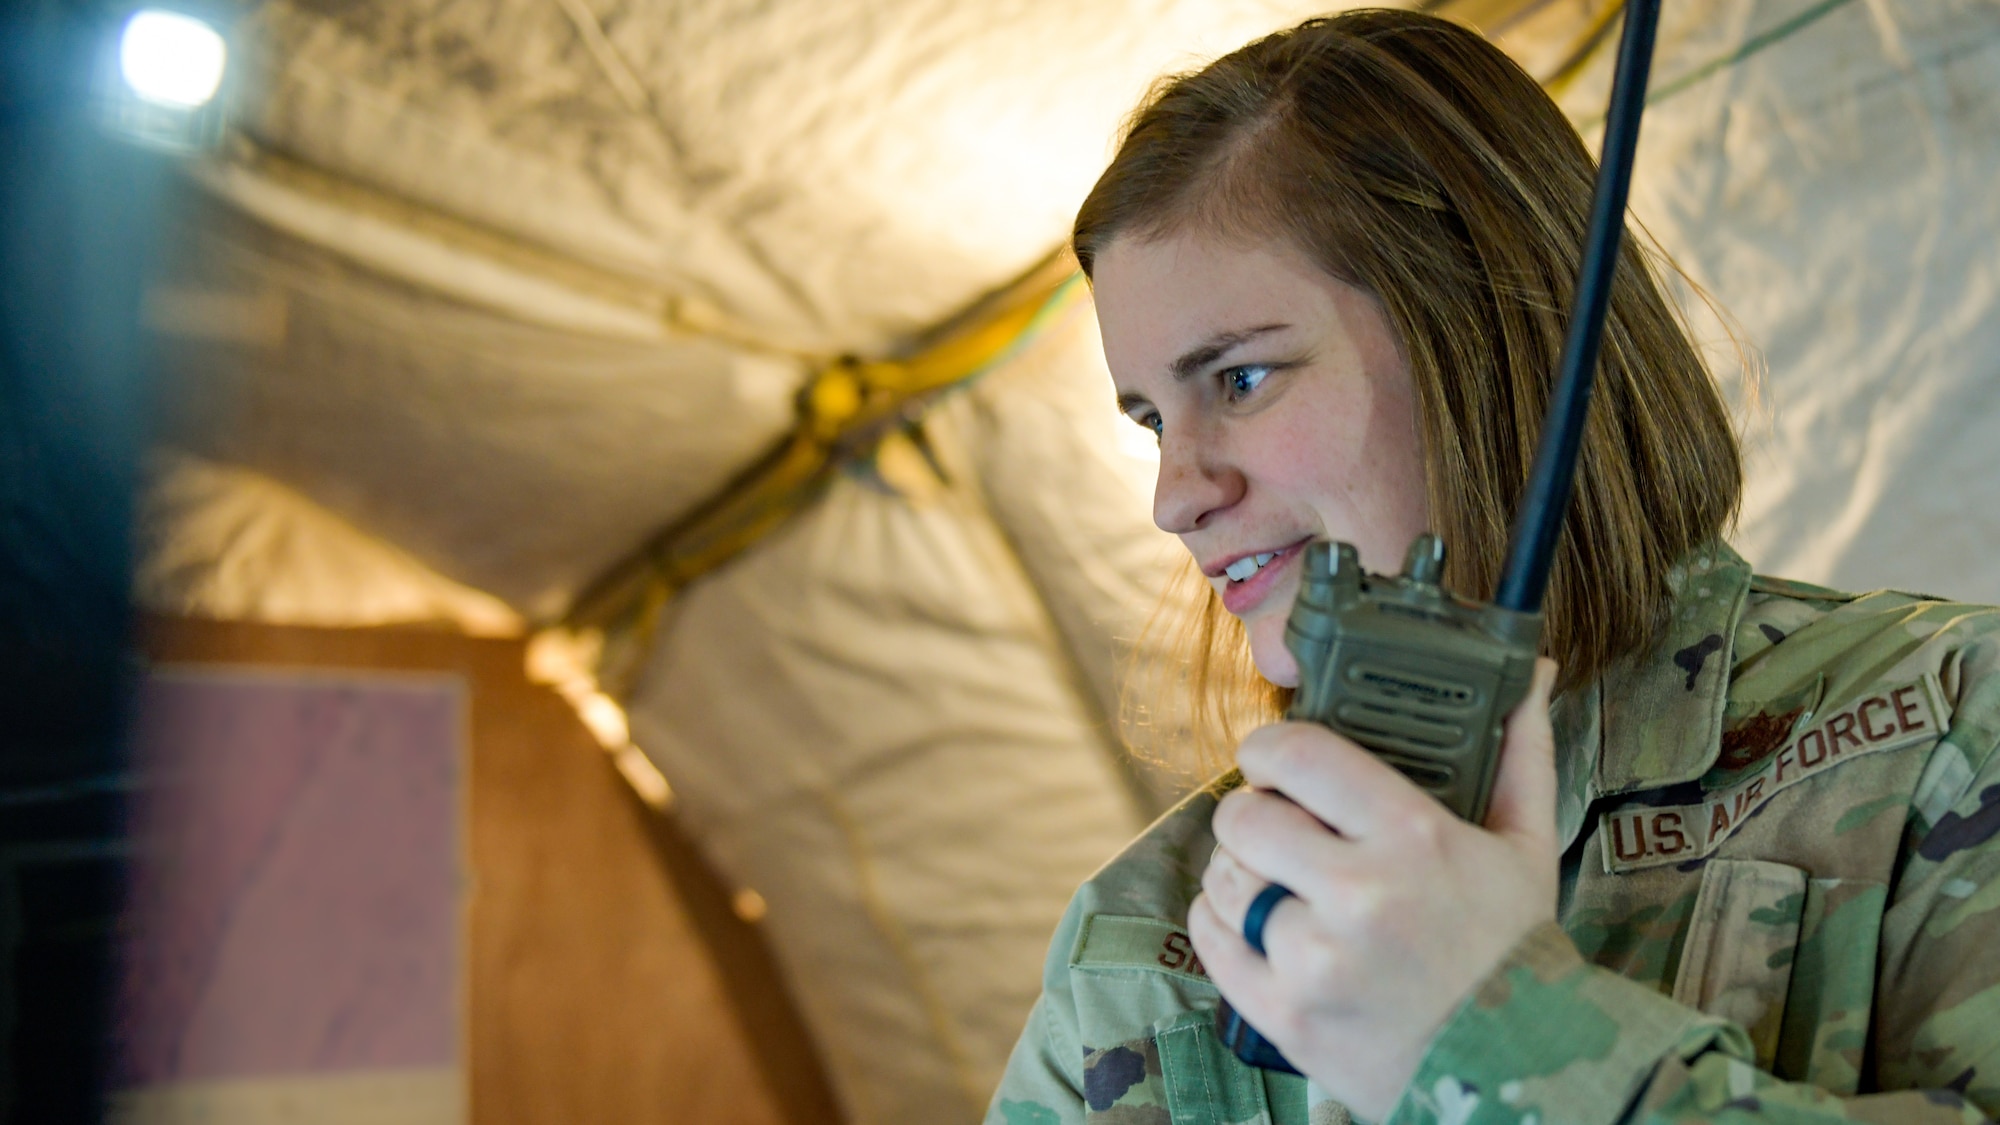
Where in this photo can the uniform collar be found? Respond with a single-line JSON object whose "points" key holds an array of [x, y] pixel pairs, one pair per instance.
{"points": [[1662, 711], [1655, 719]]}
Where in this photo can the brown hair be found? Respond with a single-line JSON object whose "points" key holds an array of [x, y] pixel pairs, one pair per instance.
{"points": [[1410, 157]]}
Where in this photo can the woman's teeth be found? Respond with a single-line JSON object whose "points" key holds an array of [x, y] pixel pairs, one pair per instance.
{"points": [[1248, 565]]}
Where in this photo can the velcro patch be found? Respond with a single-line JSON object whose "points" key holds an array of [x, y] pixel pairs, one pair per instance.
{"points": [[1648, 836], [1116, 941]]}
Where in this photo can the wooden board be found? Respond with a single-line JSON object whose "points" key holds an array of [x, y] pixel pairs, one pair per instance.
{"points": [[609, 980]]}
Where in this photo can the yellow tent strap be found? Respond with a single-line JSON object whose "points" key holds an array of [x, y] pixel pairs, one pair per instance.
{"points": [[845, 411], [1593, 36]]}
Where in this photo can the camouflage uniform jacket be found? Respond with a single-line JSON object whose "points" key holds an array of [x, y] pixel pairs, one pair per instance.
{"points": [[1780, 883]]}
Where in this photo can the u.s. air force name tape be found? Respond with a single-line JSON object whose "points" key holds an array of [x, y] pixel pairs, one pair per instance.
{"points": [[1637, 837], [1117, 941]]}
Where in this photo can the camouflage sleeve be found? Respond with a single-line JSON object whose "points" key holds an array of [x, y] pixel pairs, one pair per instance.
{"points": [[1938, 1018], [1043, 1084], [1548, 1037], [1551, 1038]]}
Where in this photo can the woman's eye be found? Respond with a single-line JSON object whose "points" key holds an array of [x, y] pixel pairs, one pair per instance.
{"points": [[1243, 381], [1143, 414]]}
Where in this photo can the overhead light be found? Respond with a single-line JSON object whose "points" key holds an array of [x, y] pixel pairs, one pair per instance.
{"points": [[164, 81], [171, 58]]}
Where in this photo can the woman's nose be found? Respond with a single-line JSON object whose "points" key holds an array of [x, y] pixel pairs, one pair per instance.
{"points": [[1193, 484]]}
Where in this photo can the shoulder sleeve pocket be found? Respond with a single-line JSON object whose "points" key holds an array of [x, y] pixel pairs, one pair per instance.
{"points": [[1205, 1084]]}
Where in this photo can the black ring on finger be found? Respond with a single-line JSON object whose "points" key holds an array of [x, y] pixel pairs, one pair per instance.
{"points": [[1259, 913]]}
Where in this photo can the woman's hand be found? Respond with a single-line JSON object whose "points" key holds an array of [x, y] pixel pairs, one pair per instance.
{"points": [[1401, 907]]}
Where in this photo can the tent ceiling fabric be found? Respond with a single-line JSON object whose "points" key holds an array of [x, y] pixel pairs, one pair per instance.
{"points": [[513, 284], [513, 457], [831, 175], [222, 541]]}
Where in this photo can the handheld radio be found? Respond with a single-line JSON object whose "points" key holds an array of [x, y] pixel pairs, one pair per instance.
{"points": [[1420, 677]]}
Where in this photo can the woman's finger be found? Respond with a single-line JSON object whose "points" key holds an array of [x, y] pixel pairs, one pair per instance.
{"points": [[1327, 774], [1228, 885], [1276, 841], [1524, 790], [1232, 888], [1243, 976]]}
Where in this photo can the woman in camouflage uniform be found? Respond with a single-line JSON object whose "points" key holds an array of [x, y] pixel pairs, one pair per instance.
{"points": [[1741, 870]]}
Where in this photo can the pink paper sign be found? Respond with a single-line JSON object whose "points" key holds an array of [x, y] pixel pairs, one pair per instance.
{"points": [[296, 897]]}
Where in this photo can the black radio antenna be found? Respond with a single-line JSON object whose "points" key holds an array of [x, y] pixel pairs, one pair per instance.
{"points": [[1545, 499]]}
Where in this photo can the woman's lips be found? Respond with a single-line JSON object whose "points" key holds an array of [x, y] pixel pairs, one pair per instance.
{"points": [[1240, 598]]}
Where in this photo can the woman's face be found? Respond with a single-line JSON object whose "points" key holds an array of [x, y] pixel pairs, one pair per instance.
{"points": [[1284, 410]]}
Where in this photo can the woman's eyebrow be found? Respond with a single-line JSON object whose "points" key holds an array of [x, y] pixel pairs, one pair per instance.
{"points": [[1215, 347]]}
